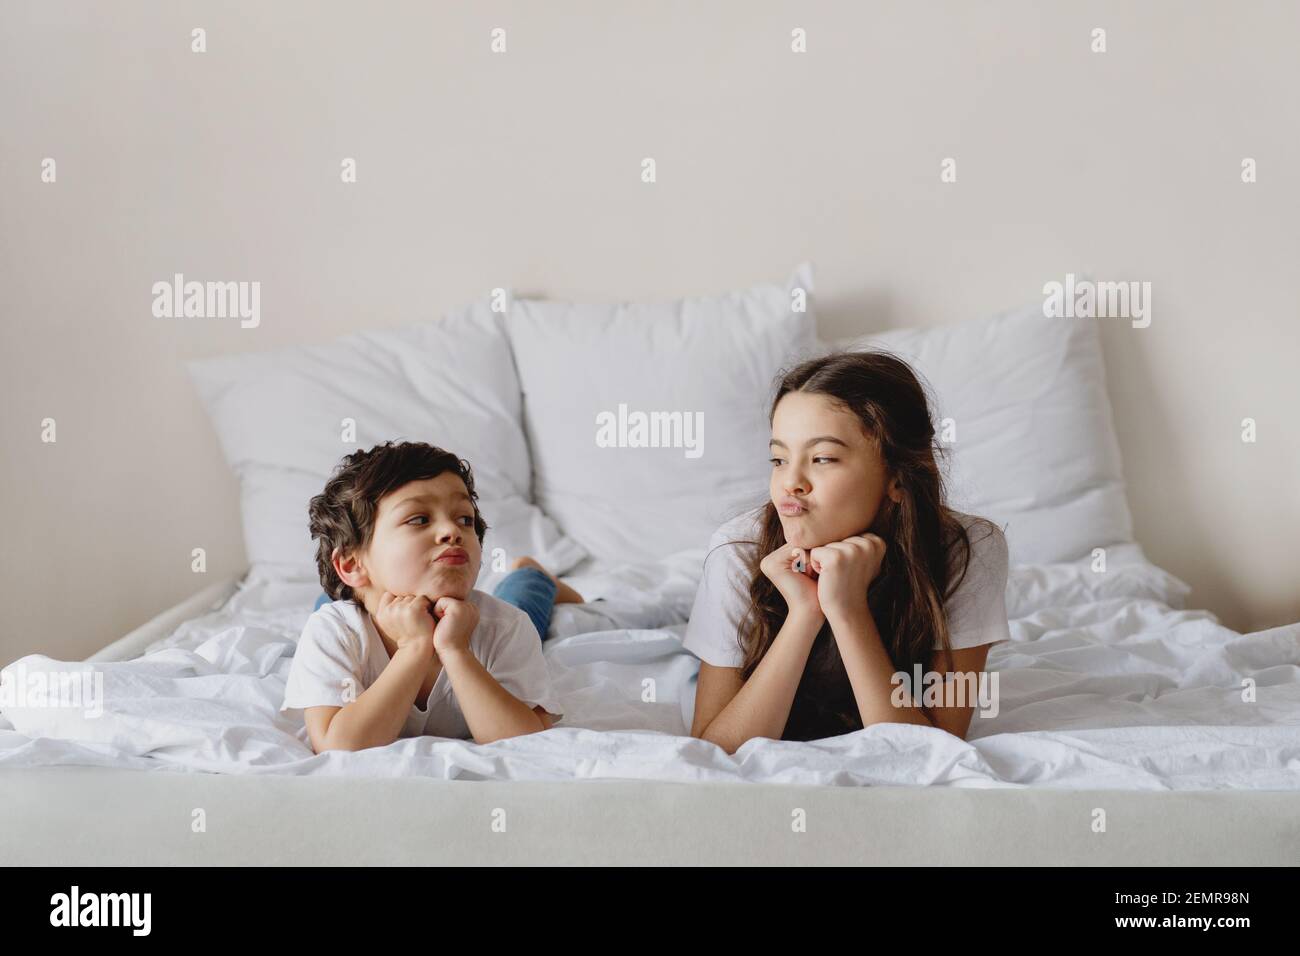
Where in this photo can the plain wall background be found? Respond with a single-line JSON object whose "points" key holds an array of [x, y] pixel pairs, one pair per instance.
{"points": [[522, 169]]}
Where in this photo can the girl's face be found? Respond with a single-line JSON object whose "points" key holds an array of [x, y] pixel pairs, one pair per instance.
{"points": [[828, 479]]}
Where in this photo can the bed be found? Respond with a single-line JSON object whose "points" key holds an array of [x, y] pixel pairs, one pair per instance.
{"points": [[1111, 697], [1129, 730]]}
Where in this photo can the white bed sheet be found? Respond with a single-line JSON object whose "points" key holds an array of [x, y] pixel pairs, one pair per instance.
{"points": [[1107, 683]]}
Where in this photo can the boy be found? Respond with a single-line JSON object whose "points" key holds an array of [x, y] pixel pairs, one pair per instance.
{"points": [[408, 646]]}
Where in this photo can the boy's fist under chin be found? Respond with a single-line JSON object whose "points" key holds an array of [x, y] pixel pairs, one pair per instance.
{"points": [[456, 622], [405, 617]]}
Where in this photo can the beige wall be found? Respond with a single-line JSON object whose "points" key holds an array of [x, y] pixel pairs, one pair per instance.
{"points": [[477, 170]]}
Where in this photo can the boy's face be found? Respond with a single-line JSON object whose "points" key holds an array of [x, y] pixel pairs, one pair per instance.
{"points": [[424, 540]]}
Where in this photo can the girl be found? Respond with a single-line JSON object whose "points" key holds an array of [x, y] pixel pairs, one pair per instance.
{"points": [[855, 569]]}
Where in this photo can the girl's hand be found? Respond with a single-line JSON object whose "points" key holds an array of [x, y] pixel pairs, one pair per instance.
{"points": [[797, 587], [845, 569], [456, 622]]}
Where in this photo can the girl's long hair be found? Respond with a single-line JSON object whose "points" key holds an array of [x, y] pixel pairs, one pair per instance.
{"points": [[925, 540]]}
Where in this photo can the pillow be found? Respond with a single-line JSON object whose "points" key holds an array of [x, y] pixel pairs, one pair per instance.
{"points": [[648, 422], [449, 382], [1035, 447]]}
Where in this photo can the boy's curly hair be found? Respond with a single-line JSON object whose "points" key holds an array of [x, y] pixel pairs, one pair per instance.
{"points": [[342, 517]]}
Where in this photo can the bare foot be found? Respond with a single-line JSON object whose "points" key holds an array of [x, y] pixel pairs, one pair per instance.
{"points": [[563, 593]]}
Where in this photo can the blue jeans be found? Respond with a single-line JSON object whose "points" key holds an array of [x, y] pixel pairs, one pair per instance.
{"points": [[526, 588], [533, 593]]}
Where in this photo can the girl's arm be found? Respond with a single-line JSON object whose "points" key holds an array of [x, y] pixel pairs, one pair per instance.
{"points": [[846, 568], [880, 699], [729, 711], [966, 665]]}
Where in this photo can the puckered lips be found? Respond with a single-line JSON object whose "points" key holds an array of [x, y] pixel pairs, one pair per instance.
{"points": [[451, 557], [791, 507]]}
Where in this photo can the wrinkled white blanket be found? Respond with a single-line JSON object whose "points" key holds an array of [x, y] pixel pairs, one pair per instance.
{"points": [[1107, 684]]}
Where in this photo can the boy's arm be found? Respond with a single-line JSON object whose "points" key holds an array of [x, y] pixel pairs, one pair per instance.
{"points": [[376, 717], [491, 711]]}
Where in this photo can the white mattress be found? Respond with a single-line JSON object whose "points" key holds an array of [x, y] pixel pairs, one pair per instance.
{"points": [[1107, 684]]}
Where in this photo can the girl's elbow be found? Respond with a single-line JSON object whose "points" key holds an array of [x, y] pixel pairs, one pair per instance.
{"points": [[728, 746], [343, 742], [325, 746]]}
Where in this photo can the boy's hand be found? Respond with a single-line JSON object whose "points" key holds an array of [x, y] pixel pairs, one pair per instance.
{"points": [[456, 622], [406, 618]]}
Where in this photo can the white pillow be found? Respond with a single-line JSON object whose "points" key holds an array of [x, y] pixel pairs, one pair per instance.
{"points": [[1035, 444], [715, 357], [449, 382]]}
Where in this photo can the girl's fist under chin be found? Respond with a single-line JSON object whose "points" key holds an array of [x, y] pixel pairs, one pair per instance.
{"points": [[789, 569], [845, 569]]}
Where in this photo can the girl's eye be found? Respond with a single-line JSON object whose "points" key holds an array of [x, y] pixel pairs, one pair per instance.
{"points": [[468, 519], [777, 462], [416, 518]]}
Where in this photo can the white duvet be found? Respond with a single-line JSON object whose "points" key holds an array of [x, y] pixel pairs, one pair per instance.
{"points": [[1106, 684]]}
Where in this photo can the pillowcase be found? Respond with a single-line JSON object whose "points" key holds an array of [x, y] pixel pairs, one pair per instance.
{"points": [[648, 422], [451, 382], [1035, 447]]}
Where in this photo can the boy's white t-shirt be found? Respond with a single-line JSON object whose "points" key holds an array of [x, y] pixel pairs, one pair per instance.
{"points": [[340, 648], [977, 610]]}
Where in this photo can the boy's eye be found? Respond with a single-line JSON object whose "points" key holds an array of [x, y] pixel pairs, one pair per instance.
{"points": [[465, 520], [822, 458]]}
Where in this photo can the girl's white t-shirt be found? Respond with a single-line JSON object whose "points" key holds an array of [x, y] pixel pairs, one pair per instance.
{"points": [[341, 650], [977, 610]]}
